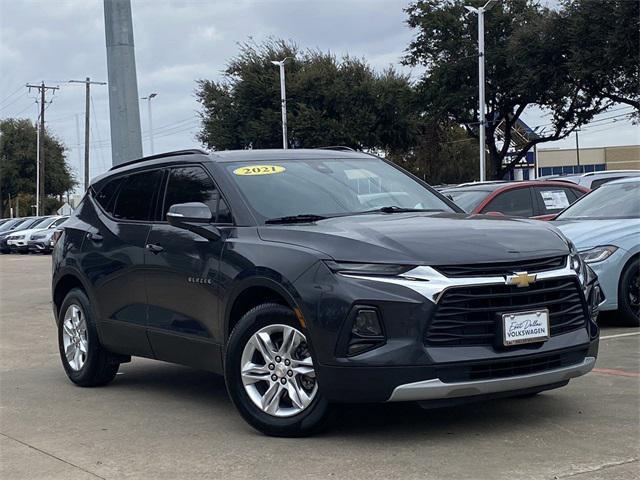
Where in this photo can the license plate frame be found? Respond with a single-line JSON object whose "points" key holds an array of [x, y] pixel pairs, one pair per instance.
{"points": [[534, 320]]}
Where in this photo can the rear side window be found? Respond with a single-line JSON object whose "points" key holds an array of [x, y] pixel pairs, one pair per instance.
{"points": [[137, 196], [554, 199], [106, 197], [516, 203], [193, 184]]}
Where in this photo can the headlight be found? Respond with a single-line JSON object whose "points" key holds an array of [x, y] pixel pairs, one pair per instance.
{"points": [[598, 254], [373, 269]]}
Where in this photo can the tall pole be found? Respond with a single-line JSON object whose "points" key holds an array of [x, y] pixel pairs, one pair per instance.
{"points": [[41, 149], [87, 128], [481, 93], [124, 112], [38, 169], [578, 151], [40, 157], [148, 98], [87, 108], [481, 81], [283, 101], [78, 142], [150, 126]]}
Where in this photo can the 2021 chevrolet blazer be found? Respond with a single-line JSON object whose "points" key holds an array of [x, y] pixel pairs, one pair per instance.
{"points": [[314, 277]]}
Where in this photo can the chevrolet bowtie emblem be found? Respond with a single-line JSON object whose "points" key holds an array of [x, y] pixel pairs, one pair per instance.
{"points": [[521, 279]]}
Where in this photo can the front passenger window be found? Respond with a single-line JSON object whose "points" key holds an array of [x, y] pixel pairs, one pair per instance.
{"points": [[193, 184]]}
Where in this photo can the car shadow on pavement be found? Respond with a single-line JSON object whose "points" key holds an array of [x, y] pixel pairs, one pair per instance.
{"points": [[205, 391]]}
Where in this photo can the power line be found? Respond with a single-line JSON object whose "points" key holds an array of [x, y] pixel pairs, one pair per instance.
{"points": [[10, 95]]}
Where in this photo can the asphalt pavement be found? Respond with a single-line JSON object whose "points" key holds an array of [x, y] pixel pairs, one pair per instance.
{"points": [[161, 421]]}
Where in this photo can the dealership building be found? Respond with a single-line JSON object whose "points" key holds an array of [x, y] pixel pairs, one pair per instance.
{"points": [[555, 161]]}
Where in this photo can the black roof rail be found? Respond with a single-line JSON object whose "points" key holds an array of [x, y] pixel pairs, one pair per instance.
{"points": [[340, 148], [176, 153]]}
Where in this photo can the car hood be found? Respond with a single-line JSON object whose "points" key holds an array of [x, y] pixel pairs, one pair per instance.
{"points": [[26, 233], [423, 238], [587, 233]]}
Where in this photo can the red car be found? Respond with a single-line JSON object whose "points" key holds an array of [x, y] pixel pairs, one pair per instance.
{"points": [[533, 199]]}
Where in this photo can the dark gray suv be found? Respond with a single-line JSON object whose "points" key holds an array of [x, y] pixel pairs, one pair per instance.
{"points": [[315, 277]]}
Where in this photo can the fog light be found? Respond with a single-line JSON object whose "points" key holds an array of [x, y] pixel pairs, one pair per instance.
{"points": [[367, 324], [367, 332]]}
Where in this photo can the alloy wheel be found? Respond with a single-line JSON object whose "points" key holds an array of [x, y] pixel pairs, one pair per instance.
{"points": [[74, 337], [277, 371]]}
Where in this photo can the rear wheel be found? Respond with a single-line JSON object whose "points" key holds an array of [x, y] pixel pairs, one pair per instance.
{"points": [[270, 374], [85, 362], [629, 294]]}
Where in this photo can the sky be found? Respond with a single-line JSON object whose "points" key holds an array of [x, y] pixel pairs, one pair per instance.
{"points": [[179, 42]]}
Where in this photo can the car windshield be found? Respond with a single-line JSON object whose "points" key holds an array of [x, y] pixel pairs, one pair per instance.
{"points": [[618, 200], [286, 188], [10, 224], [33, 223], [467, 199]]}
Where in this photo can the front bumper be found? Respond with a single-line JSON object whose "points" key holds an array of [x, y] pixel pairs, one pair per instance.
{"points": [[39, 246], [407, 367]]}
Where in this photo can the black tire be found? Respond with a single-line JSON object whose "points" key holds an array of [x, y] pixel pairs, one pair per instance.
{"points": [[310, 420], [629, 294], [99, 367]]}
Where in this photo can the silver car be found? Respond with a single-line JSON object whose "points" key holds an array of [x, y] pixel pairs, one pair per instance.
{"points": [[604, 225]]}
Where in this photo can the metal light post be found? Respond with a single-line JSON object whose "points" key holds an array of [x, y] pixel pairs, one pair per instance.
{"points": [[480, 12], [148, 99], [283, 100]]}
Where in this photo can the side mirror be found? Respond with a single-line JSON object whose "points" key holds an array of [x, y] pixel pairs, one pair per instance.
{"points": [[195, 217]]}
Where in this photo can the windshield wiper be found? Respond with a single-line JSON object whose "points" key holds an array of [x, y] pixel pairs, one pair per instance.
{"points": [[303, 218], [396, 209]]}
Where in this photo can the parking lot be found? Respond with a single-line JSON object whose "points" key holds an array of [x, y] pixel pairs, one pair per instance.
{"points": [[164, 421]]}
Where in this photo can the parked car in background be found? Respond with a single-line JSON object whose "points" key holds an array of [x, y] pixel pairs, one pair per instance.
{"points": [[516, 199], [593, 180], [43, 241], [20, 224], [19, 241], [605, 228]]}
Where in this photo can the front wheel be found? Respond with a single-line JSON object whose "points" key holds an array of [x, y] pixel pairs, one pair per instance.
{"points": [[270, 374], [629, 294]]}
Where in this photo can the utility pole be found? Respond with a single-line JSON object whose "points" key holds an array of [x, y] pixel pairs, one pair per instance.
{"points": [[40, 157], [124, 111], [87, 111], [578, 151], [283, 100], [148, 99], [481, 82]]}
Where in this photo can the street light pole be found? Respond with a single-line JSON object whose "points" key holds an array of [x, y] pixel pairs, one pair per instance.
{"points": [[481, 82], [148, 99], [283, 100]]}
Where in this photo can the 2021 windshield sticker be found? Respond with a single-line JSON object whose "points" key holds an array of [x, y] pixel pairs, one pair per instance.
{"points": [[259, 170]]}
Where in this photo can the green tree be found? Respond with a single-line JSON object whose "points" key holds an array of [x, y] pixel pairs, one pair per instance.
{"points": [[329, 102], [603, 39], [444, 154], [528, 57], [18, 164]]}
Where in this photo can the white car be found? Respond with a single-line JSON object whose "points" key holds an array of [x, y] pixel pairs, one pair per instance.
{"points": [[19, 241]]}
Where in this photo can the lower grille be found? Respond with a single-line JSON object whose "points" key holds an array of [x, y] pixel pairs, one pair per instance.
{"points": [[471, 315], [510, 368]]}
